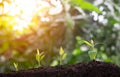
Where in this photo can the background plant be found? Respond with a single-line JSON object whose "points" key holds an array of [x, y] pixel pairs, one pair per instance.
{"points": [[62, 55], [16, 66], [93, 52]]}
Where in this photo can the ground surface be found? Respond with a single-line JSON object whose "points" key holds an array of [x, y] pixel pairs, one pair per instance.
{"points": [[87, 69]]}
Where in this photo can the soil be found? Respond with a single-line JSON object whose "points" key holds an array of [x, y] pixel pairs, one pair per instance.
{"points": [[86, 69]]}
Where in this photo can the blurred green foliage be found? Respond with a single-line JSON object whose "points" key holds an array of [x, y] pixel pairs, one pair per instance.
{"points": [[84, 5], [104, 29]]}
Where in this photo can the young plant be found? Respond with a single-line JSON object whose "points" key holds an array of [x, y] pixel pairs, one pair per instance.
{"points": [[39, 57], [93, 52], [15, 66], [62, 54]]}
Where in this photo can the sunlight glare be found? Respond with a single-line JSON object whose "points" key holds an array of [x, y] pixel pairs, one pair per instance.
{"points": [[23, 11], [0, 1]]}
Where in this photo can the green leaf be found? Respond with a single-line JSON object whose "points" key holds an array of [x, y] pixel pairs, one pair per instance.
{"points": [[42, 53], [16, 66], [73, 2], [86, 42], [38, 55], [54, 63], [92, 54], [89, 6], [76, 51], [38, 52], [64, 56], [61, 52], [42, 57], [78, 38], [85, 5]]}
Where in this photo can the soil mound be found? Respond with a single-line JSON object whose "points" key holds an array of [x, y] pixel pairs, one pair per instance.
{"points": [[86, 69]]}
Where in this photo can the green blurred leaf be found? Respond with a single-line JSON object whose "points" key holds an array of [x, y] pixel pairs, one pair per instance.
{"points": [[61, 51], [85, 5], [64, 56], [39, 57], [42, 56], [86, 42], [93, 54], [54, 63], [76, 51], [16, 66]]}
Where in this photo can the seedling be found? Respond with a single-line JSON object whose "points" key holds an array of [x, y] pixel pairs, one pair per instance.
{"points": [[62, 54], [39, 57], [16, 66], [93, 52]]}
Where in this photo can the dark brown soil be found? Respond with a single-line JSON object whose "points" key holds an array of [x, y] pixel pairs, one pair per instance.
{"points": [[87, 69]]}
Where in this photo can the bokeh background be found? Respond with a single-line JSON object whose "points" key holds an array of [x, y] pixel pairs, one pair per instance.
{"points": [[28, 25]]}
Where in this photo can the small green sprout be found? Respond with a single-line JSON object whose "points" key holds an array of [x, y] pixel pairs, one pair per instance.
{"points": [[62, 54], [39, 57], [93, 52], [16, 66]]}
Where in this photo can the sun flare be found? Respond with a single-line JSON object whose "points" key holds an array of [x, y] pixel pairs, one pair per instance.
{"points": [[23, 11]]}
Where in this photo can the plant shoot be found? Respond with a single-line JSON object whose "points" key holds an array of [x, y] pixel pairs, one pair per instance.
{"points": [[15, 66], [62, 54], [39, 57], [92, 54]]}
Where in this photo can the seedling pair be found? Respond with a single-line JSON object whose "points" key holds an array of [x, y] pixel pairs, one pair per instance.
{"points": [[40, 56]]}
